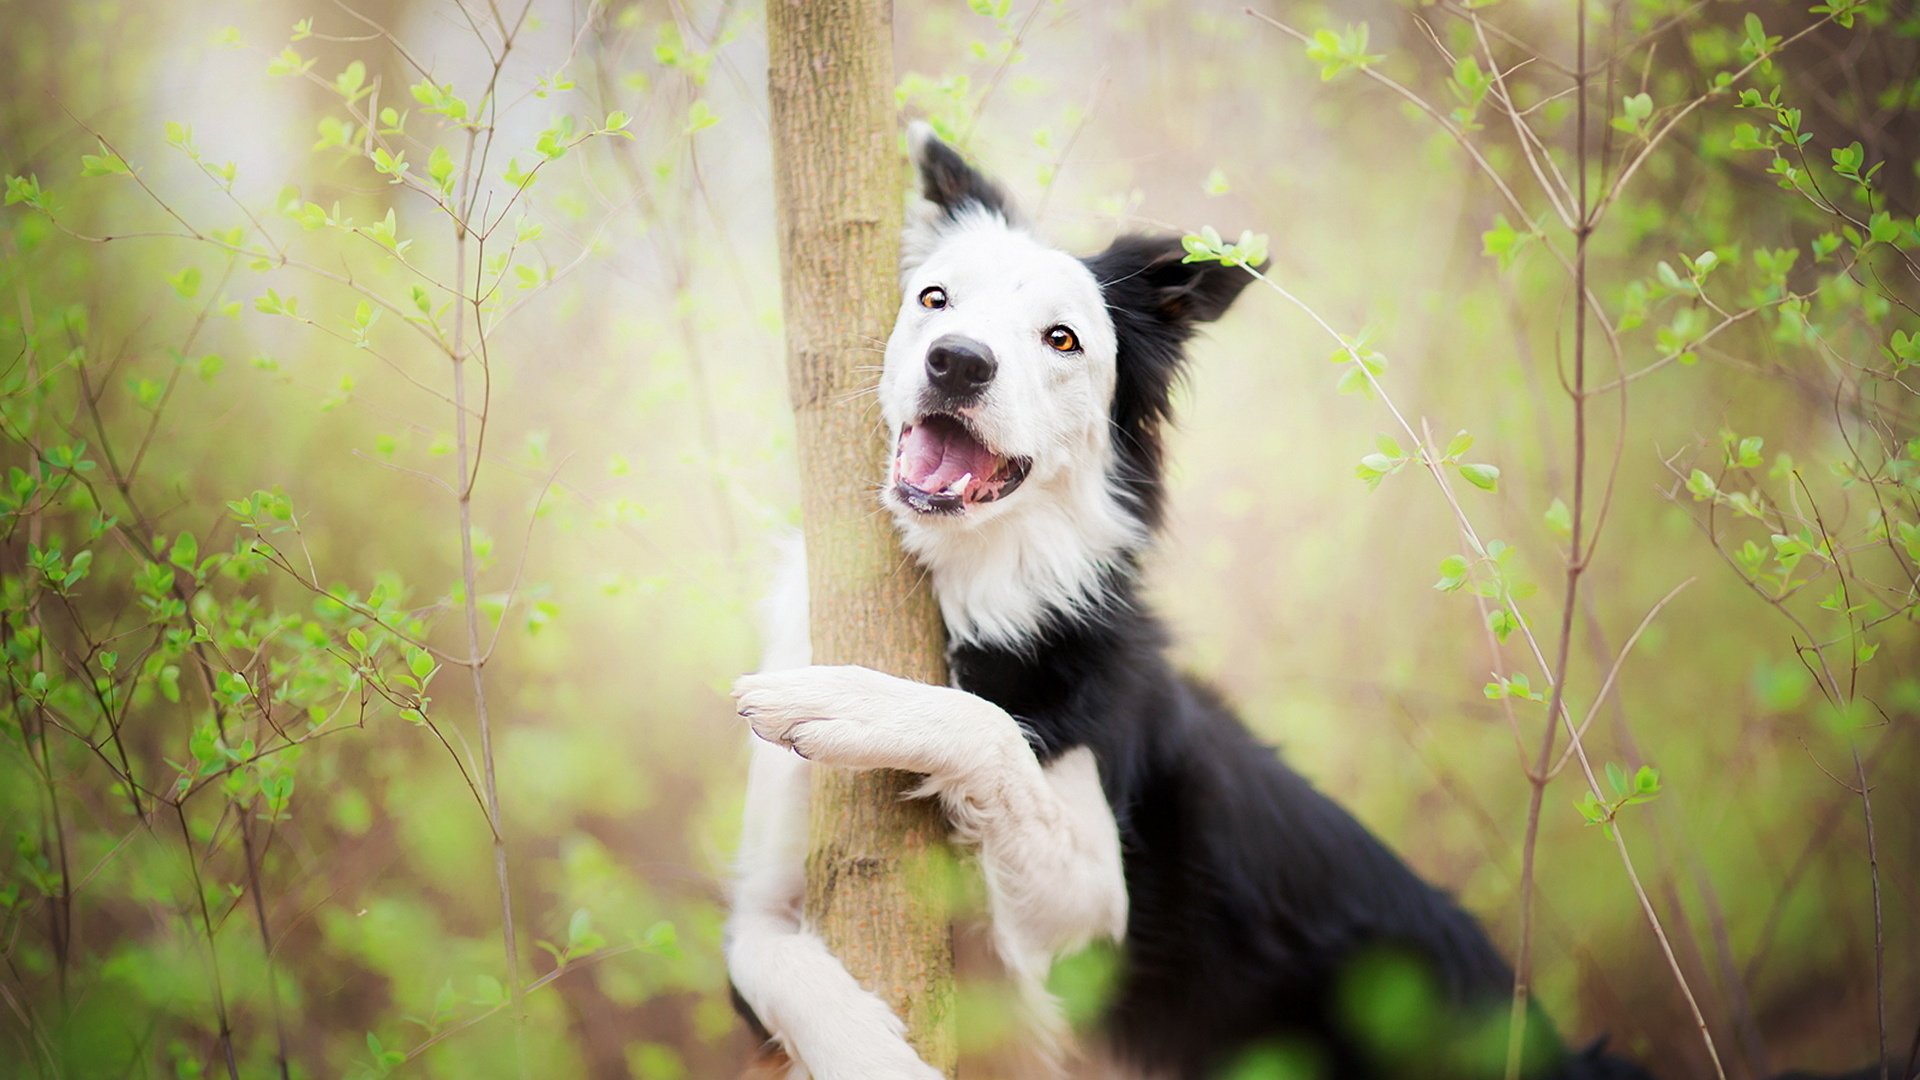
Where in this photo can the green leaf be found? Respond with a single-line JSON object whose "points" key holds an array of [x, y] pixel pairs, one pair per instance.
{"points": [[289, 62], [1616, 778], [440, 169], [1484, 477], [487, 991], [186, 282], [1342, 51], [185, 551], [25, 190], [700, 117], [1559, 519], [394, 165], [660, 937], [581, 937], [1635, 110], [105, 163], [349, 81], [1505, 243]]}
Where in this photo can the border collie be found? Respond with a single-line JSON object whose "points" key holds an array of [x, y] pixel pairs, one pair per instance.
{"points": [[1109, 797]]}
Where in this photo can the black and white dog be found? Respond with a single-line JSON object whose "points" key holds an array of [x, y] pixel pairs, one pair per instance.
{"points": [[1108, 796]]}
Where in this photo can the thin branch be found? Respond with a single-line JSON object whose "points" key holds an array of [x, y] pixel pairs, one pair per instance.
{"points": [[1613, 672]]}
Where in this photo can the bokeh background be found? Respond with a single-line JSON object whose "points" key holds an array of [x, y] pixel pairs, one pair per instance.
{"points": [[636, 474]]}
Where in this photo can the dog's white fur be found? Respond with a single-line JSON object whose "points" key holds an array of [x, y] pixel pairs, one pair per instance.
{"points": [[797, 988], [1049, 849], [999, 568], [1047, 841]]}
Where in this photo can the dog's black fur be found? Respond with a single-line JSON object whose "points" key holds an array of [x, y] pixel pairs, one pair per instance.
{"points": [[1249, 892], [1255, 902]]}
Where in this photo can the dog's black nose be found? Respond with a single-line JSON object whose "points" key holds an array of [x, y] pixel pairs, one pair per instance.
{"points": [[959, 366]]}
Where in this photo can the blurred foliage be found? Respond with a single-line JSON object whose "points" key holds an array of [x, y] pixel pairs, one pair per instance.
{"points": [[365, 365]]}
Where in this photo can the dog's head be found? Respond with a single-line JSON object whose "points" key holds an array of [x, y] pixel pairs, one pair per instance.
{"points": [[1024, 387]]}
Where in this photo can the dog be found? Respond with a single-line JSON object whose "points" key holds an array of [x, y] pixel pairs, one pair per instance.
{"points": [[1108, 797]]}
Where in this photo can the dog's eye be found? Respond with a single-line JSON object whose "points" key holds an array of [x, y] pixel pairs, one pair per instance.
{"points": [[933, 297], [1061, 339]]}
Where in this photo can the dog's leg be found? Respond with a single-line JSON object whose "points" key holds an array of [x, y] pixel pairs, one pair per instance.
{"points": [[1047, 839], [828, 1023], [825, 1020]]}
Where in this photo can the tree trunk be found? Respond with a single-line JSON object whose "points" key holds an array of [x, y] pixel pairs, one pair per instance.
{"points": [[873, 870]]}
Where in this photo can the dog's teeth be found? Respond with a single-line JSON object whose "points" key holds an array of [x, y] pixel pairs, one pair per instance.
{"points": [[959, 487]]}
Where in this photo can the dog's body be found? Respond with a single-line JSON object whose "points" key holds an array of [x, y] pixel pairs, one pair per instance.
{"points": [[1108, 797]]}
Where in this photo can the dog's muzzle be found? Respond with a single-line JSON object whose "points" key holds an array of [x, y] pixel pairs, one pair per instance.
{"points": [[941, 466]]}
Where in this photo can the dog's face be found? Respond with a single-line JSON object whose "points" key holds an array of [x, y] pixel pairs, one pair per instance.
{"points": [[999, 373], [1025, 388]]}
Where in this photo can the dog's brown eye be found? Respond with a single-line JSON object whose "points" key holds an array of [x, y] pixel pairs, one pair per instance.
{"points": [[934, 297], [1061, 339]]}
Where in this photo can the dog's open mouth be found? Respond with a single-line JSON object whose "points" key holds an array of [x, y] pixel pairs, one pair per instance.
{"points": [[941, 467]]}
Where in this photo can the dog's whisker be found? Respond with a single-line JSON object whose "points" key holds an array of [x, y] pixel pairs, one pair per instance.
{"points": [[855, 395]]}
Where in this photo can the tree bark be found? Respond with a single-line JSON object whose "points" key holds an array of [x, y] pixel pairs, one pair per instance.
{"points": [[873, 871]]}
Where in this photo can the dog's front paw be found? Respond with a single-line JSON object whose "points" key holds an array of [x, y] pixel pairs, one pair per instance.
{"points": [[852, 717], [778, 705]]}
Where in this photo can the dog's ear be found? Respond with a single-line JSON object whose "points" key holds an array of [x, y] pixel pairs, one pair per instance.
{"points": [[1148, 275], [952, 193], [947, 181], [1155, 300]]}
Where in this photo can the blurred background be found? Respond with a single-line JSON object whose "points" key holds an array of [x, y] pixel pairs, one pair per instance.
{"points": [[222, 322]]}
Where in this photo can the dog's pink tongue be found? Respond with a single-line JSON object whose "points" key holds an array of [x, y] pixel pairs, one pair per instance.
{"points": [[937, 451]]}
